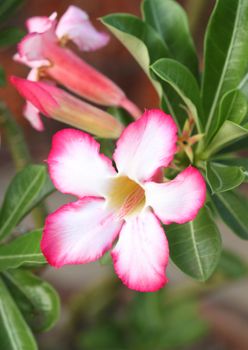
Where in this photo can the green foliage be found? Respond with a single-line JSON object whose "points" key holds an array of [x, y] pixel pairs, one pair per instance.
{"points": [[168, 18], [184, 83], [27, 302], [36, 299], [25, 191], [233, 208], [2, 77], [10, 36], [14, 332], [24, 250], [195, 247], [222, 178]]}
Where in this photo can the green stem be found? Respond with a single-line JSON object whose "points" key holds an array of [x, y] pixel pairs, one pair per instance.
{"points": [[19, 152]]}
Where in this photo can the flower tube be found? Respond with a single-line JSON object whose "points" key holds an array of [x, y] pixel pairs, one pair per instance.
{"points": [[45, 45], [58, 104]]}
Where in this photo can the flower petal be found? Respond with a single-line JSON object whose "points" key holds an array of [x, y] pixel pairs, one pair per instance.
{"points": [[79, 232], [34, 46], [76, 166], [76, 26], [40, 24], [146, 145], [32, 114], [178, 200], [141, 253]]}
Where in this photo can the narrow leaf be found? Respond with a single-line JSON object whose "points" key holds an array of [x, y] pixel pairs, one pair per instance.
{"points": [[232, 266], [171, 22], [223, 178], [225, 54], [7, 8], [22, 192], [22, 250], [233, 107], [195, 247], [233, 209], [14, 332], [183, 82], [10, 36], [141, 40], [2, 77], [37, 299], [229, 133]]}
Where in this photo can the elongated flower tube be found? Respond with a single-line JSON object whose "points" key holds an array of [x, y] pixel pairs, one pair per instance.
{"points": [[58, 104], [126, 203], [45, 45]]}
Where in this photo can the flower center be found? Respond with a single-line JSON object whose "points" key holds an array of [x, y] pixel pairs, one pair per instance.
{"points": [[126, 196]]}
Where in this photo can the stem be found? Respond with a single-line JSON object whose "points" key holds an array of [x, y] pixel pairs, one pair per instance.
{"points": [[19, 152]]}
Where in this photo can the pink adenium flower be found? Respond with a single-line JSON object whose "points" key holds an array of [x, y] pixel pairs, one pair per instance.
{"points": [[43, 50], [58, 104], [126, 202]]}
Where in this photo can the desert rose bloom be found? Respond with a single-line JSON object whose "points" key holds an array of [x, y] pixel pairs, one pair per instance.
{"points": [[127, 203], [58, 104], [43, 49]]}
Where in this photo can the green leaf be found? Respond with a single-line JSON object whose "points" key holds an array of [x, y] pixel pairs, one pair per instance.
{"points": [[7, 7], [183, 82], [228, 134], [225, 54], [239, 145], [37, 299], [233, 107], [2, 77], [10, 36], [20, 197], [233, 209], [195, 247], [232, 266], [22, 250], [171, 22], [223, 178], [141, 40], [14, 332], [238, 162]]}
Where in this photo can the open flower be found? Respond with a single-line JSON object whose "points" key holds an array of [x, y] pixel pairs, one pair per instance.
{"points": [[127, 203], [58, 104], [43, 50]]}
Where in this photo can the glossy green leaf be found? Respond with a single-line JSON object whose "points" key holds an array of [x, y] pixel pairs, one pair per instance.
{"points": [[142, 41], [22, 250], [171, 22], [10, 36], [233, 209], [7, 7], [146, 46], [235, 146], [233, 107], [238, 162], [183, 82], [195, 247], [225, 54], [232, 266], [2, 77], [229, 133], [14, 332], [22, 193], [37, 299], [223, 178]]}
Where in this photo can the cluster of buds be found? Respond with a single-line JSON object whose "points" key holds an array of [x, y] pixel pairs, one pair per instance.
{"points": [[43, 50]]}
